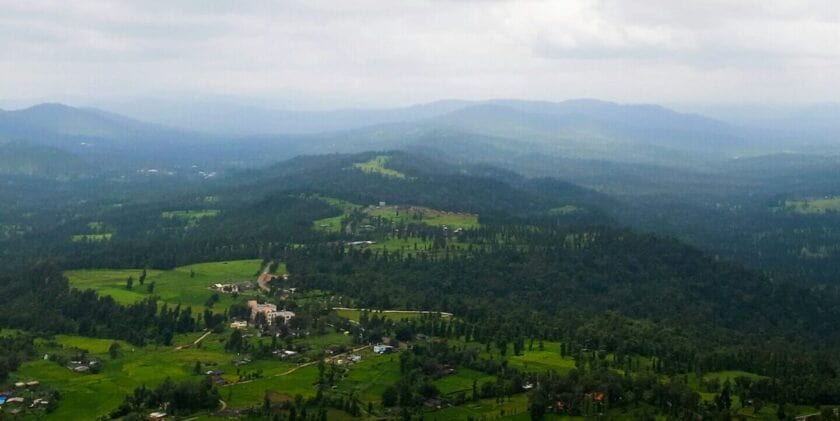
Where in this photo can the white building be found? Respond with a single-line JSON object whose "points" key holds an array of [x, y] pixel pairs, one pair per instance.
{"points": [[270, 312]]}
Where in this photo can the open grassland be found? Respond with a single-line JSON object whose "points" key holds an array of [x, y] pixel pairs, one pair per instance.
{"points": [[91, 237], [413, 214], [814, 206], [186, 285], [190, 218], [565, 210], [540, 361], [462, 381], [395, 315], [377, 166], [189, 214], [369, 377], [87, 396], [333, 224], [514, 408], [284, 384], [415, 245]]}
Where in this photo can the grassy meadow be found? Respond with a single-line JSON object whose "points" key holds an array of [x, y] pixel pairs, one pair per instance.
{"points": [[402, 214], [395, 315], [186, 285], [376, 165], [813, 206]]}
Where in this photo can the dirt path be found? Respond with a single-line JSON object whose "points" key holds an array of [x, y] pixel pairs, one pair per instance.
{"points": [[196, 342], [265, 277]]}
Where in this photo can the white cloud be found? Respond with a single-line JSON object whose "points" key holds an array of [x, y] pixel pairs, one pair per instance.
{"points": [[402, 52]]}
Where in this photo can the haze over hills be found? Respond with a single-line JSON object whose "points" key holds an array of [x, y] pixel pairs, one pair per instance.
{"points": [[504, 132]]}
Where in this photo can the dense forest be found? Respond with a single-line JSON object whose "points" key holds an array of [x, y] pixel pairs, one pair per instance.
{"points": [[537, 261]]}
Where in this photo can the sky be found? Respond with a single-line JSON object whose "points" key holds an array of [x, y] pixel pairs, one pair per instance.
{"points": [[319, 53]]}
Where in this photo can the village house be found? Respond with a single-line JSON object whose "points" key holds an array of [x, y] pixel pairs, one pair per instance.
{"points": [[382, 349], [226, 288], [155, 416], [238, 324], [269, 311]]}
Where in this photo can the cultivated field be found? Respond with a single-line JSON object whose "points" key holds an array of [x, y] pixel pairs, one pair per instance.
{"points": [[186, 285]]}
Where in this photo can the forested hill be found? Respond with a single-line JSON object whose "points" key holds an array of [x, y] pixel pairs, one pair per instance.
{"points": [[414, 178]]}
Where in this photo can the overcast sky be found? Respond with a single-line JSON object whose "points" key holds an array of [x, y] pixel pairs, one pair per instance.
{"points": [[400, 52]]}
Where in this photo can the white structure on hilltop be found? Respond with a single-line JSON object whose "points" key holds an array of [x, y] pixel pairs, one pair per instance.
{"points": [[269, 311]]}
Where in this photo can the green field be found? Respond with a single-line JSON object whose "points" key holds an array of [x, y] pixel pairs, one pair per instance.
{"points": [[369, 377], [91, 237], [412, 214], [187, 285], [813, 206], [190, 217], [333, 224], [514, 408], [396, 315], [564, 210], [540, 361], [86, 396], [377, 166], [462, 381]]}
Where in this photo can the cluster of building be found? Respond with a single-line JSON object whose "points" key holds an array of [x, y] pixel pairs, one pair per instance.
{"points": [[8, 398], [284, 353], [270, 312], [231, 288], [82, 366]]}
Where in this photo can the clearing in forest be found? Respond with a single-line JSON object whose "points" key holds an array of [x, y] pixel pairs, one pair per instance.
{"points": [[186, 285], [376, 165], [814, 206], [428, 216]]}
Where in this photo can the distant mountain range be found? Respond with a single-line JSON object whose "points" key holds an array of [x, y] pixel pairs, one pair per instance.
{"points": [[511, 133]]}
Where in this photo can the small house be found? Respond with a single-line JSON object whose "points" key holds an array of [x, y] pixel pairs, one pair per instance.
{"points": [[238, 324], [382, 349]]}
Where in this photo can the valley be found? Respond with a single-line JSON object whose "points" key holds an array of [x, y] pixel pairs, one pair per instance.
{"points": [[399, 284]]}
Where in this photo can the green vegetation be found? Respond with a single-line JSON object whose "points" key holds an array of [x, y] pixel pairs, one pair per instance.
{"points": [[541, 361], [191, 217], [377, 166], [394, 315], [565, 210], [369, 377], [96, 226], [514, 408], [333, 224], [186, 285], [414, 214], [91, 237], [86, 396], [814, 206], [462, 381]]}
